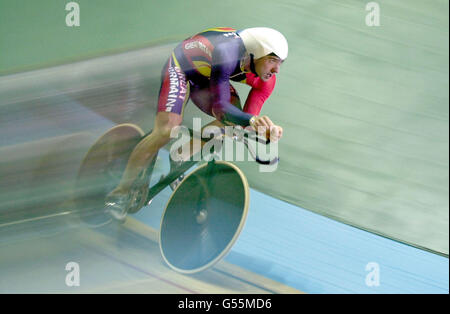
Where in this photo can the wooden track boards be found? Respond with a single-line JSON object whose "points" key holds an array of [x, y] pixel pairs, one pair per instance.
{"points": [[114, 259]]}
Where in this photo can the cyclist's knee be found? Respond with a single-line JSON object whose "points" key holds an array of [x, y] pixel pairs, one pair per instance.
{"points": [[164, 132], [164, 125]]}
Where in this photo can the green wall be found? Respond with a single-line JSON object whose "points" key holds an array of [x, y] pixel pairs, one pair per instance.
{"points": [[364, 109]]}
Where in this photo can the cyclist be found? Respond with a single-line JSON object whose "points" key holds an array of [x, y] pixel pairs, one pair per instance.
{"points": [[200, 68]]}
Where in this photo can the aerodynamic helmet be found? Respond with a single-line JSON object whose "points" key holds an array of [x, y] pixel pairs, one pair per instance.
{"points": [[262, 41]]}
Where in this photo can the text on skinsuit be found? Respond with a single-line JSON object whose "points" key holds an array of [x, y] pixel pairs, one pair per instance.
{"points": [[199, 45], [176, 84]]}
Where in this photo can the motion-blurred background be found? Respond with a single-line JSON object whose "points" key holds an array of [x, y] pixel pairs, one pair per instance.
{"points": [[364, 108]]}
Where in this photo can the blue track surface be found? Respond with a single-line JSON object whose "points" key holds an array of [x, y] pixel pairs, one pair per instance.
{"points": [[316, 254]]}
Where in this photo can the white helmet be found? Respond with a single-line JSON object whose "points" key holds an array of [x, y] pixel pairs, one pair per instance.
{"points": [[262, 41]]}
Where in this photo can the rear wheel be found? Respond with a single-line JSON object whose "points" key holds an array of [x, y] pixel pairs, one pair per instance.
{"points": [[102, 169]]}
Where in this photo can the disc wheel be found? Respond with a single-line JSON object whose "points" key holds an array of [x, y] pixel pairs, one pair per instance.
{"points": [[102, 169], [203, 217]]}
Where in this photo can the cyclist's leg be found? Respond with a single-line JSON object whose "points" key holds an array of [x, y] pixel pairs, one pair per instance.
{"points": [[200, 97], [173, 96]]}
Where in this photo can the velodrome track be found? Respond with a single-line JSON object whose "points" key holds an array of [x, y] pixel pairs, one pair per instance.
{"points": [[111, 260], [51, 118], [48, 132]]}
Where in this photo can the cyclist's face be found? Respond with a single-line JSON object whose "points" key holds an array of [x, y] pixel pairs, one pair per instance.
{"points": [[267, 66]]}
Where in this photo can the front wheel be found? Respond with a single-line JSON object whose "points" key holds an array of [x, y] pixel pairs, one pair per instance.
{"points": [[204, 217]]}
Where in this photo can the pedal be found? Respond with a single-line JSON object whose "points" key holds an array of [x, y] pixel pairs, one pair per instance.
{"points": [[116, 207], [138, 195]]}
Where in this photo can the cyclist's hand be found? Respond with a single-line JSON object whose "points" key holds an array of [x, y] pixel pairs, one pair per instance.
{"points": [[276, 132], [263, 125]]}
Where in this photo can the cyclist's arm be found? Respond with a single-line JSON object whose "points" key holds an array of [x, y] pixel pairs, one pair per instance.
{"points": [[222, 67], [258, 94]]}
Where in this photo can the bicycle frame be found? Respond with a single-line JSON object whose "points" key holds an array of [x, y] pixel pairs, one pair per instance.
{"points": [[183, 166]]}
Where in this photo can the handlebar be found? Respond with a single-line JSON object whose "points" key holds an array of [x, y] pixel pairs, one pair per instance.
{"points": [[253, 135], [246, 135]]}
